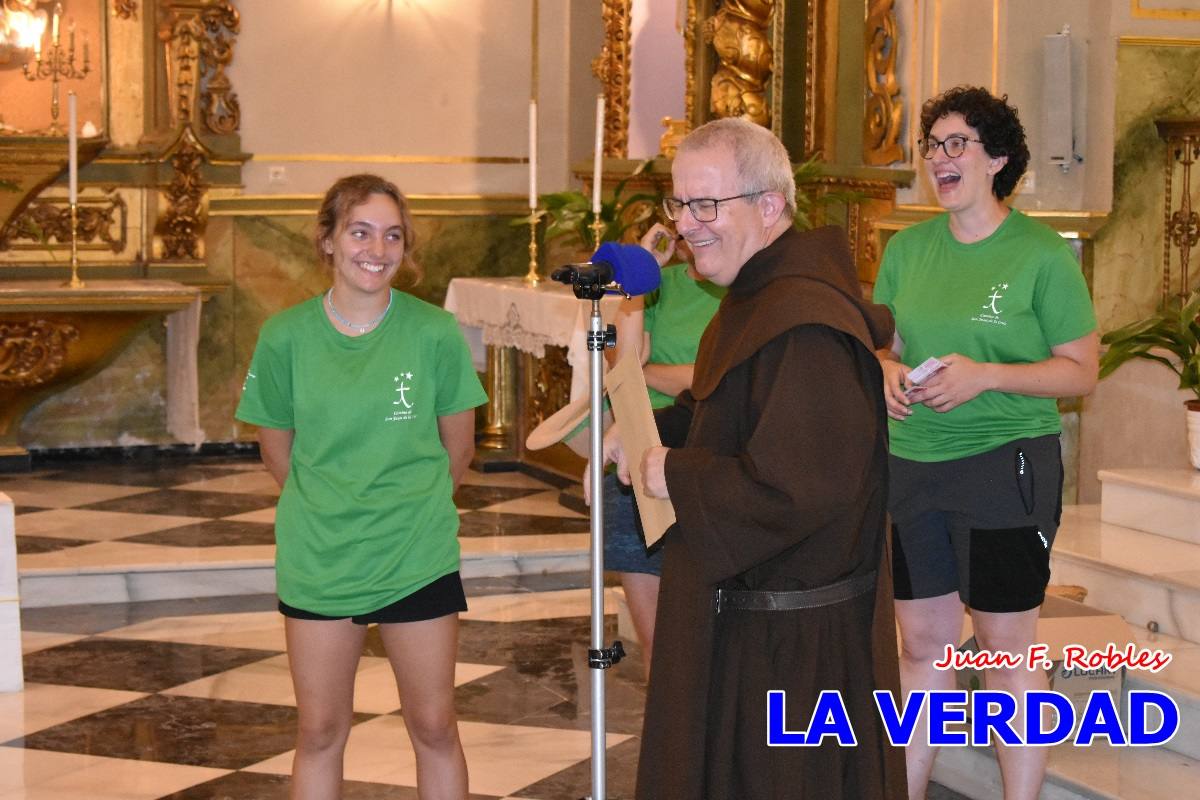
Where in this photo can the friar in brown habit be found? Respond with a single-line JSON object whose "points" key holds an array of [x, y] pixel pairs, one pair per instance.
{"points": [[775, 576]]}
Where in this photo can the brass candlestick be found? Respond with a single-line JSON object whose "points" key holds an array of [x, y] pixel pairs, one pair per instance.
{"points": [[531, 277], [597, 227], [74, 283], [57, 66]]}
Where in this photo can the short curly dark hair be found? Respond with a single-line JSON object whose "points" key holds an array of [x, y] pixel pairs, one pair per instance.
{"points": [[997, 123]]}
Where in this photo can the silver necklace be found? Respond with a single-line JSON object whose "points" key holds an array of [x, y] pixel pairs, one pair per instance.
{"points": [[366, 326]]}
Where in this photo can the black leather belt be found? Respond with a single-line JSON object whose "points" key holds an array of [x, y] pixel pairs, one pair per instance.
{"points": [[840, 592]]}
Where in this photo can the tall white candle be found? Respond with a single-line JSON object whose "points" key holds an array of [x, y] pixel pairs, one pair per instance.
{"points": [[72, 147], [54, 24], [533, 187], [598, 162]]}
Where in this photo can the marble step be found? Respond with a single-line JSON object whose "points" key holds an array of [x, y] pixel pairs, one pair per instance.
{"points": [[1146, 578], [1161, 501], [129, 572], [1180, 679], [1098, 772]]}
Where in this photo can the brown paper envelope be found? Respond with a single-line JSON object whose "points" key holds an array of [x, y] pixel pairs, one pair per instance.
{"points": [[631, 407]]}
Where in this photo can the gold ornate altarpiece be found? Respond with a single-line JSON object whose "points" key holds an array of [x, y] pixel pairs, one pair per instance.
{"points": [[142, 206]]}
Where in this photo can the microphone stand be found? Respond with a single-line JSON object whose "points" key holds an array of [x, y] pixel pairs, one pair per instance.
{"points": [[600, 658]]}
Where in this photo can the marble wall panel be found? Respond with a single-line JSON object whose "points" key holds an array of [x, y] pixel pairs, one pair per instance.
{"points": [[1153, 82], [270, 264]]}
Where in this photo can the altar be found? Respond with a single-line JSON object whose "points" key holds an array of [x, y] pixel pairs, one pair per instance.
{"points": [[532, 342]]}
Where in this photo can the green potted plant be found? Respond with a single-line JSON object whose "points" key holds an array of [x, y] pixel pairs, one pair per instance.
{"points": [[811, 200], [1173, 329], [569, 216]]}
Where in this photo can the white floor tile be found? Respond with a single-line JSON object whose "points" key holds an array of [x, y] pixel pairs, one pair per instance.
{"points": [[261, 630], [261, 515], [501, 758], [269, 681], [71, 523], [542, 504], [536, 605], [65, 494], [42, 705], [47, 775], [258, 482]]}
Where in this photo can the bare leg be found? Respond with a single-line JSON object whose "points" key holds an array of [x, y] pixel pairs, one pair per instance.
{"points": [[323, 657], [422, 655], [926, 627], [641, 592], [1022, 768]]}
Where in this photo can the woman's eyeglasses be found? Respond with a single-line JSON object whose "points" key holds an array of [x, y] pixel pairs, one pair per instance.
{"points": [[954, 146]]}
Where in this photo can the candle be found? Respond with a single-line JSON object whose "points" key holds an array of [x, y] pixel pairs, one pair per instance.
{"points": [[533, 193], [597, 165], [73, 148], [54, 24]]}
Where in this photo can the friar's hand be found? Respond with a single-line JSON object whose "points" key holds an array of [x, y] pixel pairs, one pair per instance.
{"points": [[654, 472]]}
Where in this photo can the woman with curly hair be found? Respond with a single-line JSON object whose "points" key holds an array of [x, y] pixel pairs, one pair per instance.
{"points": [[976, 470]]}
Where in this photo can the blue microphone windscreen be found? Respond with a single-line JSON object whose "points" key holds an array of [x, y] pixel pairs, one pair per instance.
{"points": [[634, 268]]}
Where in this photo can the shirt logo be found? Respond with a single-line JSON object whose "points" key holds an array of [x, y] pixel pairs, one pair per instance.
{"points": [[990, 311], [402, 404], [250, 376]]}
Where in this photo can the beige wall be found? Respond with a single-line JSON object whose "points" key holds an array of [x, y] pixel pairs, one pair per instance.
{"points": [[998, 44], [331, 88]]}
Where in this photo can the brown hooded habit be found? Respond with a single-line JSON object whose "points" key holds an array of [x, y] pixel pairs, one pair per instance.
{"points": [[778, 478]]}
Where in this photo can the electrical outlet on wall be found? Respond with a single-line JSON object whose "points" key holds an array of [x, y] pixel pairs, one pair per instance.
{"points": [[276, 175], [1029, 182]]}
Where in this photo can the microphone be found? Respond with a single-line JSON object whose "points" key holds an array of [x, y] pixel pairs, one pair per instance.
{"points": [[630, 266]]}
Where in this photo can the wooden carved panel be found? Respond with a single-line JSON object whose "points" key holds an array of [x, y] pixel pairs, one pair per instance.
{"points": [[612, 68], [739, 33], [884, 107], [33, 352], [182, 226], [199, 36], [103, 225]]}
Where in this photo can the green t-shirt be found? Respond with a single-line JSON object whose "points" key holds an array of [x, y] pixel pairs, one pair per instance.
{"points": [[366, 516], [676, 313], [1006, 299]]}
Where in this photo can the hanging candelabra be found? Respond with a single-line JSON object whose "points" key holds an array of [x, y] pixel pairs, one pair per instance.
{"points": [[57, 64], [1181, 226]]}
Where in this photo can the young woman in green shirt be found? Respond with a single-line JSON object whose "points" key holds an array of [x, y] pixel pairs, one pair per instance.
{"points": [[364, 399]]}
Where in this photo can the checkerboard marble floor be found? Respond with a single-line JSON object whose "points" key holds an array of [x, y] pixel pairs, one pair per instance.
{"points": [[191, 699]]}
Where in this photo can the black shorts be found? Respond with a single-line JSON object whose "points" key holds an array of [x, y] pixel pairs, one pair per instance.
{"points": [[981, 525], [444, 596]]}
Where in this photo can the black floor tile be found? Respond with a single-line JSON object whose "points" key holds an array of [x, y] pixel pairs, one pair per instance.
{"points": [[472, 496], [180, 730], [213, 533], [91, 619], [494, 523], [576, 781], [47, 544], [516, 584], [154, 474], [133, 665], [254, 786], [184, 503]]}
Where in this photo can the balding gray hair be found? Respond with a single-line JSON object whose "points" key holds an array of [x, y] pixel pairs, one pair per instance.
{"points": [[761, 160]]}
